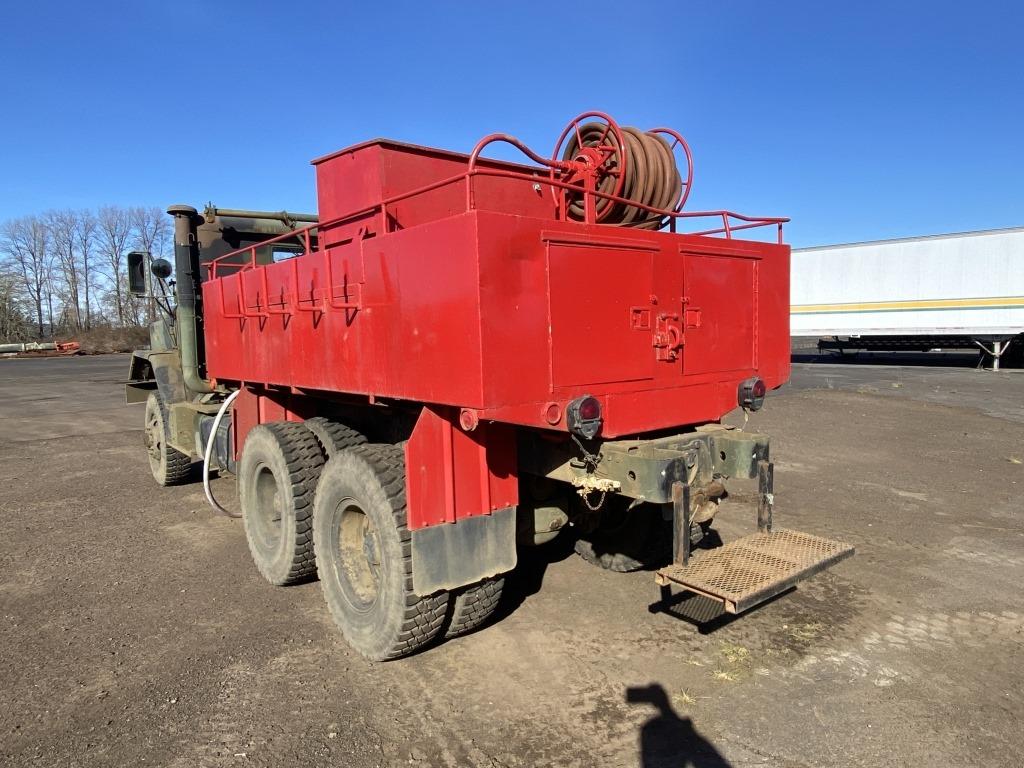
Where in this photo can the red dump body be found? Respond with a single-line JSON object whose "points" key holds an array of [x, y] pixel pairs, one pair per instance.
{"points": [[449, 288]]}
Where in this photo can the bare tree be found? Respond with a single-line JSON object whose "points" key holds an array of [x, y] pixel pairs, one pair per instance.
{"points": [[25, 244], [86, 232], [63, 226], [12, 319], [114, 234], [152, 231]]}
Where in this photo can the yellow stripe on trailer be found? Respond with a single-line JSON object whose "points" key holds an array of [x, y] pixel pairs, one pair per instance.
{"points": [[988, 302]]}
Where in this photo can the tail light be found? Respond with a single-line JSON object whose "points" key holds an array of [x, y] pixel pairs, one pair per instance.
{"points": [[583, 416], [751, 393]]}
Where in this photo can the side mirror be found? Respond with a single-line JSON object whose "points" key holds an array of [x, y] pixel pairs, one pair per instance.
{"points": [[137, 272], [161, 268]]}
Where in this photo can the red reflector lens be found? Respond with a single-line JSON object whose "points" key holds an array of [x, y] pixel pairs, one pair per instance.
{"points": [[590, 409], [751, 393]]}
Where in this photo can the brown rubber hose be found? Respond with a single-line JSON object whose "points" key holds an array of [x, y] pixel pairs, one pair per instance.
{"points": [[652, 177]]}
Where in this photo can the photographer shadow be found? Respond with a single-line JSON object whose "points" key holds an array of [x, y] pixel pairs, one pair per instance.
{"points": [[668, 740]]}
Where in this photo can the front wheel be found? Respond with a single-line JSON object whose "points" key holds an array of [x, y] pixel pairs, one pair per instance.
{"points": [[168, 465], [364, 554]]}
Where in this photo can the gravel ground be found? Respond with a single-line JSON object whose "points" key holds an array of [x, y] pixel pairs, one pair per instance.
{"points": [[134, 629]]}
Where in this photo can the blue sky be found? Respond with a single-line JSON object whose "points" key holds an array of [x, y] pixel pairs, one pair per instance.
{"points": [[858, 120]]}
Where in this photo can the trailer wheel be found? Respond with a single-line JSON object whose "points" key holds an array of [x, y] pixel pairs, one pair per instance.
{"points": [[332, 436], [169, 466], [624, 540], [472, 606], [277, 477], [364, 554]]}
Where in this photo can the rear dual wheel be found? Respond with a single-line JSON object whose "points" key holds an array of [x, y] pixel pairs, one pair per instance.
{"points": [[364, 555], [277, 475], [346, 521], [616, 538], [277, 478], [472, 606]]}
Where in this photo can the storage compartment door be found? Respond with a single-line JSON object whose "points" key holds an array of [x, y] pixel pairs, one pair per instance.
{"points": [[719, 312], [593, 291]]}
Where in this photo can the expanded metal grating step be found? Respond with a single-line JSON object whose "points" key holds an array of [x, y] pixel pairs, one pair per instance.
{"points": [[753, 569]]}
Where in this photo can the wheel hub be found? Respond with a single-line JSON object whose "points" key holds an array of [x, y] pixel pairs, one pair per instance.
{"points": [[359, 547]]}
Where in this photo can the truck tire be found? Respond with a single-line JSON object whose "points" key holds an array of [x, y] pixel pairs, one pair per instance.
{"points": [[332, 436], [169, 466], [364, 554], [472, 606], [624, 541], [277, 476]]}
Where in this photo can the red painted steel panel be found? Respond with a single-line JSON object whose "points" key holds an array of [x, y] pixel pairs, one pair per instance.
{"points": [[361, 177], [592, 292], [719, 335], [252, 408], [452, 474], [505, 311], [471, 311]]}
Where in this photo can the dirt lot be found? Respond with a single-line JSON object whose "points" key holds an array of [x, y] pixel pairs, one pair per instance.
{"points": [[135, 631]]}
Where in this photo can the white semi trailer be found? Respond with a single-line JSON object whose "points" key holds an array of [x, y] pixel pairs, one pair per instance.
{"points": [[915, 293]]}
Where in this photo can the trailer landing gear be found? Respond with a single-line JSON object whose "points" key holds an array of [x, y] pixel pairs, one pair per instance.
{"points": [[750, 570]]}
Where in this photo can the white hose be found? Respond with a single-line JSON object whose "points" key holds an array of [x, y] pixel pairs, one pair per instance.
{"points": [[209, 453]]}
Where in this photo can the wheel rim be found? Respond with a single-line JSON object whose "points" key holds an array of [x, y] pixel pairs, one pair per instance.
{"points": [[360, 555], [267, 508]]}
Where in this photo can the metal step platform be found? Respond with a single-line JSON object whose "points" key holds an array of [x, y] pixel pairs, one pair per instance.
{"points": [[755, 568]]}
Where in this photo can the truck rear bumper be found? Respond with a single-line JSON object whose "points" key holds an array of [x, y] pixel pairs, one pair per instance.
{"points": [[645, 469]]}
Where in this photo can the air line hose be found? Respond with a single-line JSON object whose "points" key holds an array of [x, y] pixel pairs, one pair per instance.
{"points": [[209, 452]]}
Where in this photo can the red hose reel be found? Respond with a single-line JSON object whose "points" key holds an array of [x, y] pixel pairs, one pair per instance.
{"points": [[623, 166]]}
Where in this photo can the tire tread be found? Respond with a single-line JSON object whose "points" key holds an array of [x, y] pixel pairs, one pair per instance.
{"points": [[304, 461], [421, 618]]}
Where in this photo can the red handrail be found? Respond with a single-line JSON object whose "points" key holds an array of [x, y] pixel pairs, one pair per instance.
{"points": [[472, 169]]}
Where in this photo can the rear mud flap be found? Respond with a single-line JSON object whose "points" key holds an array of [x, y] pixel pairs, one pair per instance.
{"points": [[751, 570], [449, 556]]}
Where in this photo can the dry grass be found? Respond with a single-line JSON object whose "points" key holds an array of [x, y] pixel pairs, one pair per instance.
{"points": [[735, 654], [684, 699], [806, 632]]}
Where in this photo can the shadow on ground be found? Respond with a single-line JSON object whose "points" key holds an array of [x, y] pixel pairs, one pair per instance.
{"points": [[668, 740], [963, 359], [528, 576]]}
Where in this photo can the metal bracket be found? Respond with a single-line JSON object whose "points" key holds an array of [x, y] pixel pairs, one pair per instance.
{"points": [[681, 523], [766, 495]]}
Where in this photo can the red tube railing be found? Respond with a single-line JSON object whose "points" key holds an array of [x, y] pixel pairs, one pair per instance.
{"points": [[327, 301]]}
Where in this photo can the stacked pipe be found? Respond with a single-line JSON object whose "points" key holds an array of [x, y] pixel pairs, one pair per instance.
{"points": [[651, 176]]}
